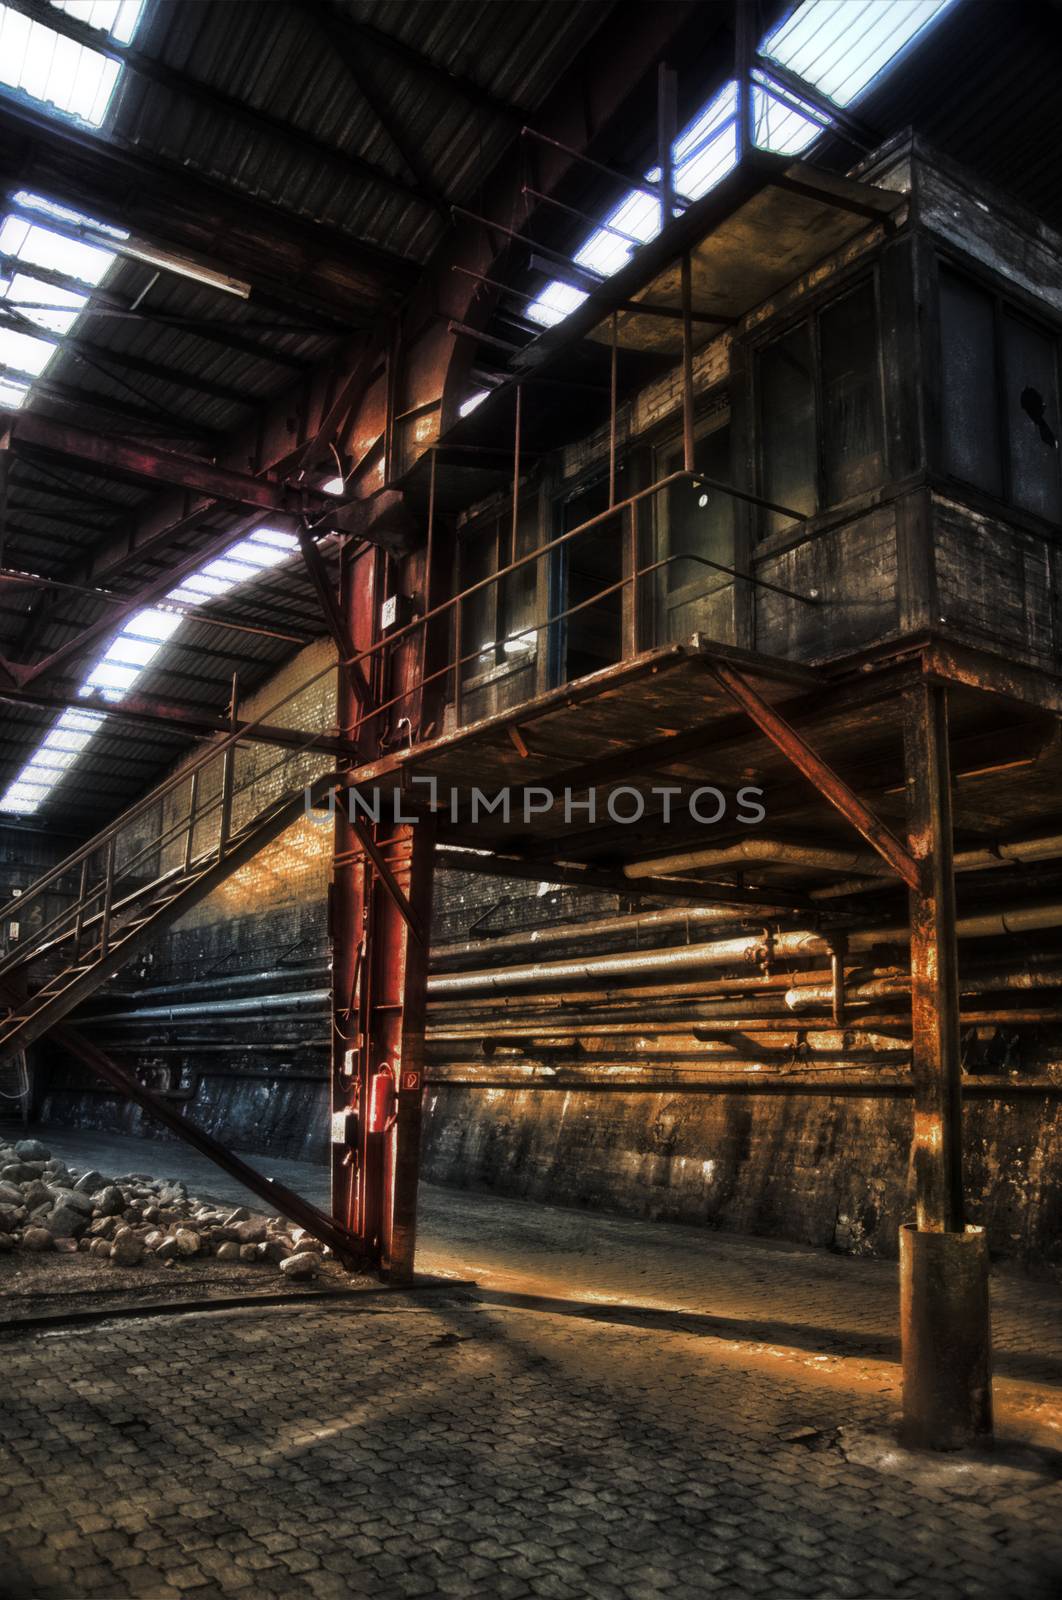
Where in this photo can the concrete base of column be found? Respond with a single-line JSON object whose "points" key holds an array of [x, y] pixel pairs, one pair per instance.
{"points": [[945, 1328]]}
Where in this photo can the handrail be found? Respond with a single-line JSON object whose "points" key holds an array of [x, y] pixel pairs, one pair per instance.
{"points": [[215, 748], [187, 821], [219, 745], [18, 954]]}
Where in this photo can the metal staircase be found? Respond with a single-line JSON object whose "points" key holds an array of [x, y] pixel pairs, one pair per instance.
{"points": [[141, 873]]}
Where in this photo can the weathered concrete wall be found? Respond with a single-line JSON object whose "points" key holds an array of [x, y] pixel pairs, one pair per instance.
{"points": [[824, 1170]]}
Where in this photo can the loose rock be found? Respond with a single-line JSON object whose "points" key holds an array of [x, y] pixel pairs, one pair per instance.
{"points": [[302, 1265], [126, 1251], [65, 1222], [37, 1239], [109, 1202], [32, 1150]]}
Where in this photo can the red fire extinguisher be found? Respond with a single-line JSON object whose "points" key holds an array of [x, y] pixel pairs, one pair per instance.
{"points": [[383, 1100]]}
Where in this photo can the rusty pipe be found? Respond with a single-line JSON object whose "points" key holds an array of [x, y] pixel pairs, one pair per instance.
{"points": [[1042, 847], [758, 849], [789, 944]]}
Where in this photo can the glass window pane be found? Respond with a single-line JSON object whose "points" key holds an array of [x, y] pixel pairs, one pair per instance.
{"points": [[477, 561], [518, 592], [700, 522], [1031, 402], [851, 395], [967, 335], [787, 409]]}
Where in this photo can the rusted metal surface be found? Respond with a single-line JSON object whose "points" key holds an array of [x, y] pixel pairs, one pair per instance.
{"points": [[934, 965], [945, 1337], [832, 787], [29, 431], [380, 907]]}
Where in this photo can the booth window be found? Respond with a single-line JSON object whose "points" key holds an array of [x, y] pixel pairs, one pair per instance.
{"points": [[821, 436], [695, 525], [999, 399], [497, 637]]}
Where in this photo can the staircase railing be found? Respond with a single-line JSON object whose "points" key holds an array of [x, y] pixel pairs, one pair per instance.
{"points": [[193, 817]]}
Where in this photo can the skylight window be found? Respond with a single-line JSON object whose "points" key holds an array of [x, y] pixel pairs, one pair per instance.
{"points": [[22, 353], [466, 408], [12, 394], [129, 654], [77, 219], [119, 18], [840, 47], [22, 290], [40, 247], [46, 67]]}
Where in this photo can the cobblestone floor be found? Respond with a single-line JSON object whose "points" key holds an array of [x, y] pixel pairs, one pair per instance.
{"points": [[618, 1410]]}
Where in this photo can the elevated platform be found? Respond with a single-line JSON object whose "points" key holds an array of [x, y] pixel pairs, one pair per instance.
{"points": [[665, 719]]}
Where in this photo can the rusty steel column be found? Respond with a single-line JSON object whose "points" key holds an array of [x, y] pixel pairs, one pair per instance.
{"points": [[379, 914], [944, 1312]]}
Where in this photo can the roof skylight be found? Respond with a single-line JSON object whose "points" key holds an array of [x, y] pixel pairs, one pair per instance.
{"points": [[128, 656], [59, 73], [838, 46]]}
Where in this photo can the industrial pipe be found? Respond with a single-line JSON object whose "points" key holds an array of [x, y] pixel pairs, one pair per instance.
{"points": [[758, 849], [562, 933], [727, 952], [253, 1006], [1044, 847]]}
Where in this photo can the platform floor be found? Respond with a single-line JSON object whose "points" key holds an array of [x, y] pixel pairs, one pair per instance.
{"points": [[616, 1409]]}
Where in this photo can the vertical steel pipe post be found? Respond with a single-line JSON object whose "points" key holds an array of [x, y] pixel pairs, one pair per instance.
{"points": [[944, 1310], [687, 366]]}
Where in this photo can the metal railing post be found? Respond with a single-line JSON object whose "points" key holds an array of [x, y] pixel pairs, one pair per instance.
{"points": [[79, 920], [108, 895], [228, 771], [193, 807]]}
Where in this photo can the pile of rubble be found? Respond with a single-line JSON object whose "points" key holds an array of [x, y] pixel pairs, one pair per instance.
{"points": [[45, 1205]]}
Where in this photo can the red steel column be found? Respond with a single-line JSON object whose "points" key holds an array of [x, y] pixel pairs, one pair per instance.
{"points": [[379, 962]]}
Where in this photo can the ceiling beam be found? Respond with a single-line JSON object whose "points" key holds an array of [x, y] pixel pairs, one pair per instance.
{"points": [[104, 303], [134, 419], [101, 355], [21, 673], [110, 453], [456, 82], [198, 216], [345, 164], [191, 721], [330, 25]]}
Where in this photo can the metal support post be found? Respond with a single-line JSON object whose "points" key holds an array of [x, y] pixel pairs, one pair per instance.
{"points": [[228, 772], [108, 896], [613, 389], [687, 366], [666, 131], [744, 58], [380, 910], [193, 809], [945, 1324]]}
